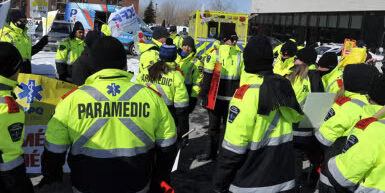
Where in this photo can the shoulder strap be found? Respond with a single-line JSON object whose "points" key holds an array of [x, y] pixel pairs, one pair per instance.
{"points": [[364, 123], [342, 100], [241, 91]]}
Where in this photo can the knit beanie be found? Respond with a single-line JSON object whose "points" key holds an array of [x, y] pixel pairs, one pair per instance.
{"points": [[173, 28], [92, 36], [16, 15], [108, 52], [258, 55], [289, 48], [168, 51], [188, 41], [328, 60], [77, 26], [10, 59], [307, 55], [228, 34], [160, 32], [377, 91], [358, 78]]}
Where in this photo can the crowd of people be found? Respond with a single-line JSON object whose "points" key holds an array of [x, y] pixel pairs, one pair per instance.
{"points": [[123, 136]]}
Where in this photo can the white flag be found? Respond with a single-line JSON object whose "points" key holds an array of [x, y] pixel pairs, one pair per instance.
{"points": [[47, 23], [122, 21], [4, 7]]}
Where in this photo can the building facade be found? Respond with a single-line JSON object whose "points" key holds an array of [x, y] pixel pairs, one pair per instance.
{"points": [[324, 21], [61, 4]]}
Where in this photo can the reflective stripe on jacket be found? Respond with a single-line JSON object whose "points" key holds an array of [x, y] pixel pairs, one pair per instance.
{"points": [[69, 50], [19, 38], [11, 127]]}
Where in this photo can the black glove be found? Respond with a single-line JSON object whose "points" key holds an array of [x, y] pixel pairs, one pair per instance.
{"points": [[40, 45], [44, 40]]}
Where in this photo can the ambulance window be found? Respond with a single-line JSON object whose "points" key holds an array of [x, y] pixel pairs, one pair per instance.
{"points": [[212, 30], [227, 27]]}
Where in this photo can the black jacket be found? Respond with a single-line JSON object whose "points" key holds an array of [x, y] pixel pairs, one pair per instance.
{"points": [[82, 68]]}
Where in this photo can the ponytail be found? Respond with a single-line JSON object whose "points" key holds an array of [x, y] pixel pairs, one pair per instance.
{"points": [[156, 71]]}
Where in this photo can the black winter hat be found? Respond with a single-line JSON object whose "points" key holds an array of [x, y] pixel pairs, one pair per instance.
{"points": [[229, 34], [307, 55], [16, 15], [188, 41], [93, 36], [160, 32], [289, 48], [328, 60], [10, 59], [358, 78], [77, 26], [168, 51], [377, 91], [173, 28], [258, 55], [108, 52]]}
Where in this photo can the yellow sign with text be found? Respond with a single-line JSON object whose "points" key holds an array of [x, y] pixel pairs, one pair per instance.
{"points": [[38, 95]]}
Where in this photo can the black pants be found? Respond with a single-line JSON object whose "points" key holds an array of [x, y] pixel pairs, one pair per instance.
{"points": [[216, 117], [15, 181]]}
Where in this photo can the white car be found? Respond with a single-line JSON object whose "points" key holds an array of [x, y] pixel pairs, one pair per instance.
{"points": [[337, 48]]}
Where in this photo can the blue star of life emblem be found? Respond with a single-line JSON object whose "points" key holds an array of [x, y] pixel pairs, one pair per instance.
{"points": [[113, 89], [31, 91]]}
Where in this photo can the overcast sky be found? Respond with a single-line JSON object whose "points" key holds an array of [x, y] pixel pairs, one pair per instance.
{"points": [[241, 5]]}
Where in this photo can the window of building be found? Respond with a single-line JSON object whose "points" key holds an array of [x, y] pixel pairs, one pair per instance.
{"points": [[356, 22], [276, 20], [322, 21], [332, 21], [289, 20], [283, 19], [313, 21], [296, 19], [303, 20], [269, 19], [343, 21]]}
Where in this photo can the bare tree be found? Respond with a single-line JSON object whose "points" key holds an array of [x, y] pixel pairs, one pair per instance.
{"points": [[222, 5], [168, 12]]}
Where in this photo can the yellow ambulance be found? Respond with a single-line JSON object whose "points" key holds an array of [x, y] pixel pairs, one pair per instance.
{"points": [[208, 26]]}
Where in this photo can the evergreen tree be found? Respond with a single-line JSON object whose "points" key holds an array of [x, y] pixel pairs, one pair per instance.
{"points": [[149, 14]]}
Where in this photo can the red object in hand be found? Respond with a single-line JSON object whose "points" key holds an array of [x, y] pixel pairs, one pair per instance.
{"points": [[167, 188]]}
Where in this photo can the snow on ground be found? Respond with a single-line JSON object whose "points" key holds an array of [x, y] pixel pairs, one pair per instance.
{"points": [[43, 63]]}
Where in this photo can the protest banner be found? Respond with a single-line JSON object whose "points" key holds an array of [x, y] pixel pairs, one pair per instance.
{"points": [[38, 95], [123, 20], [38, 8], [4, 7], [48, 22]]}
